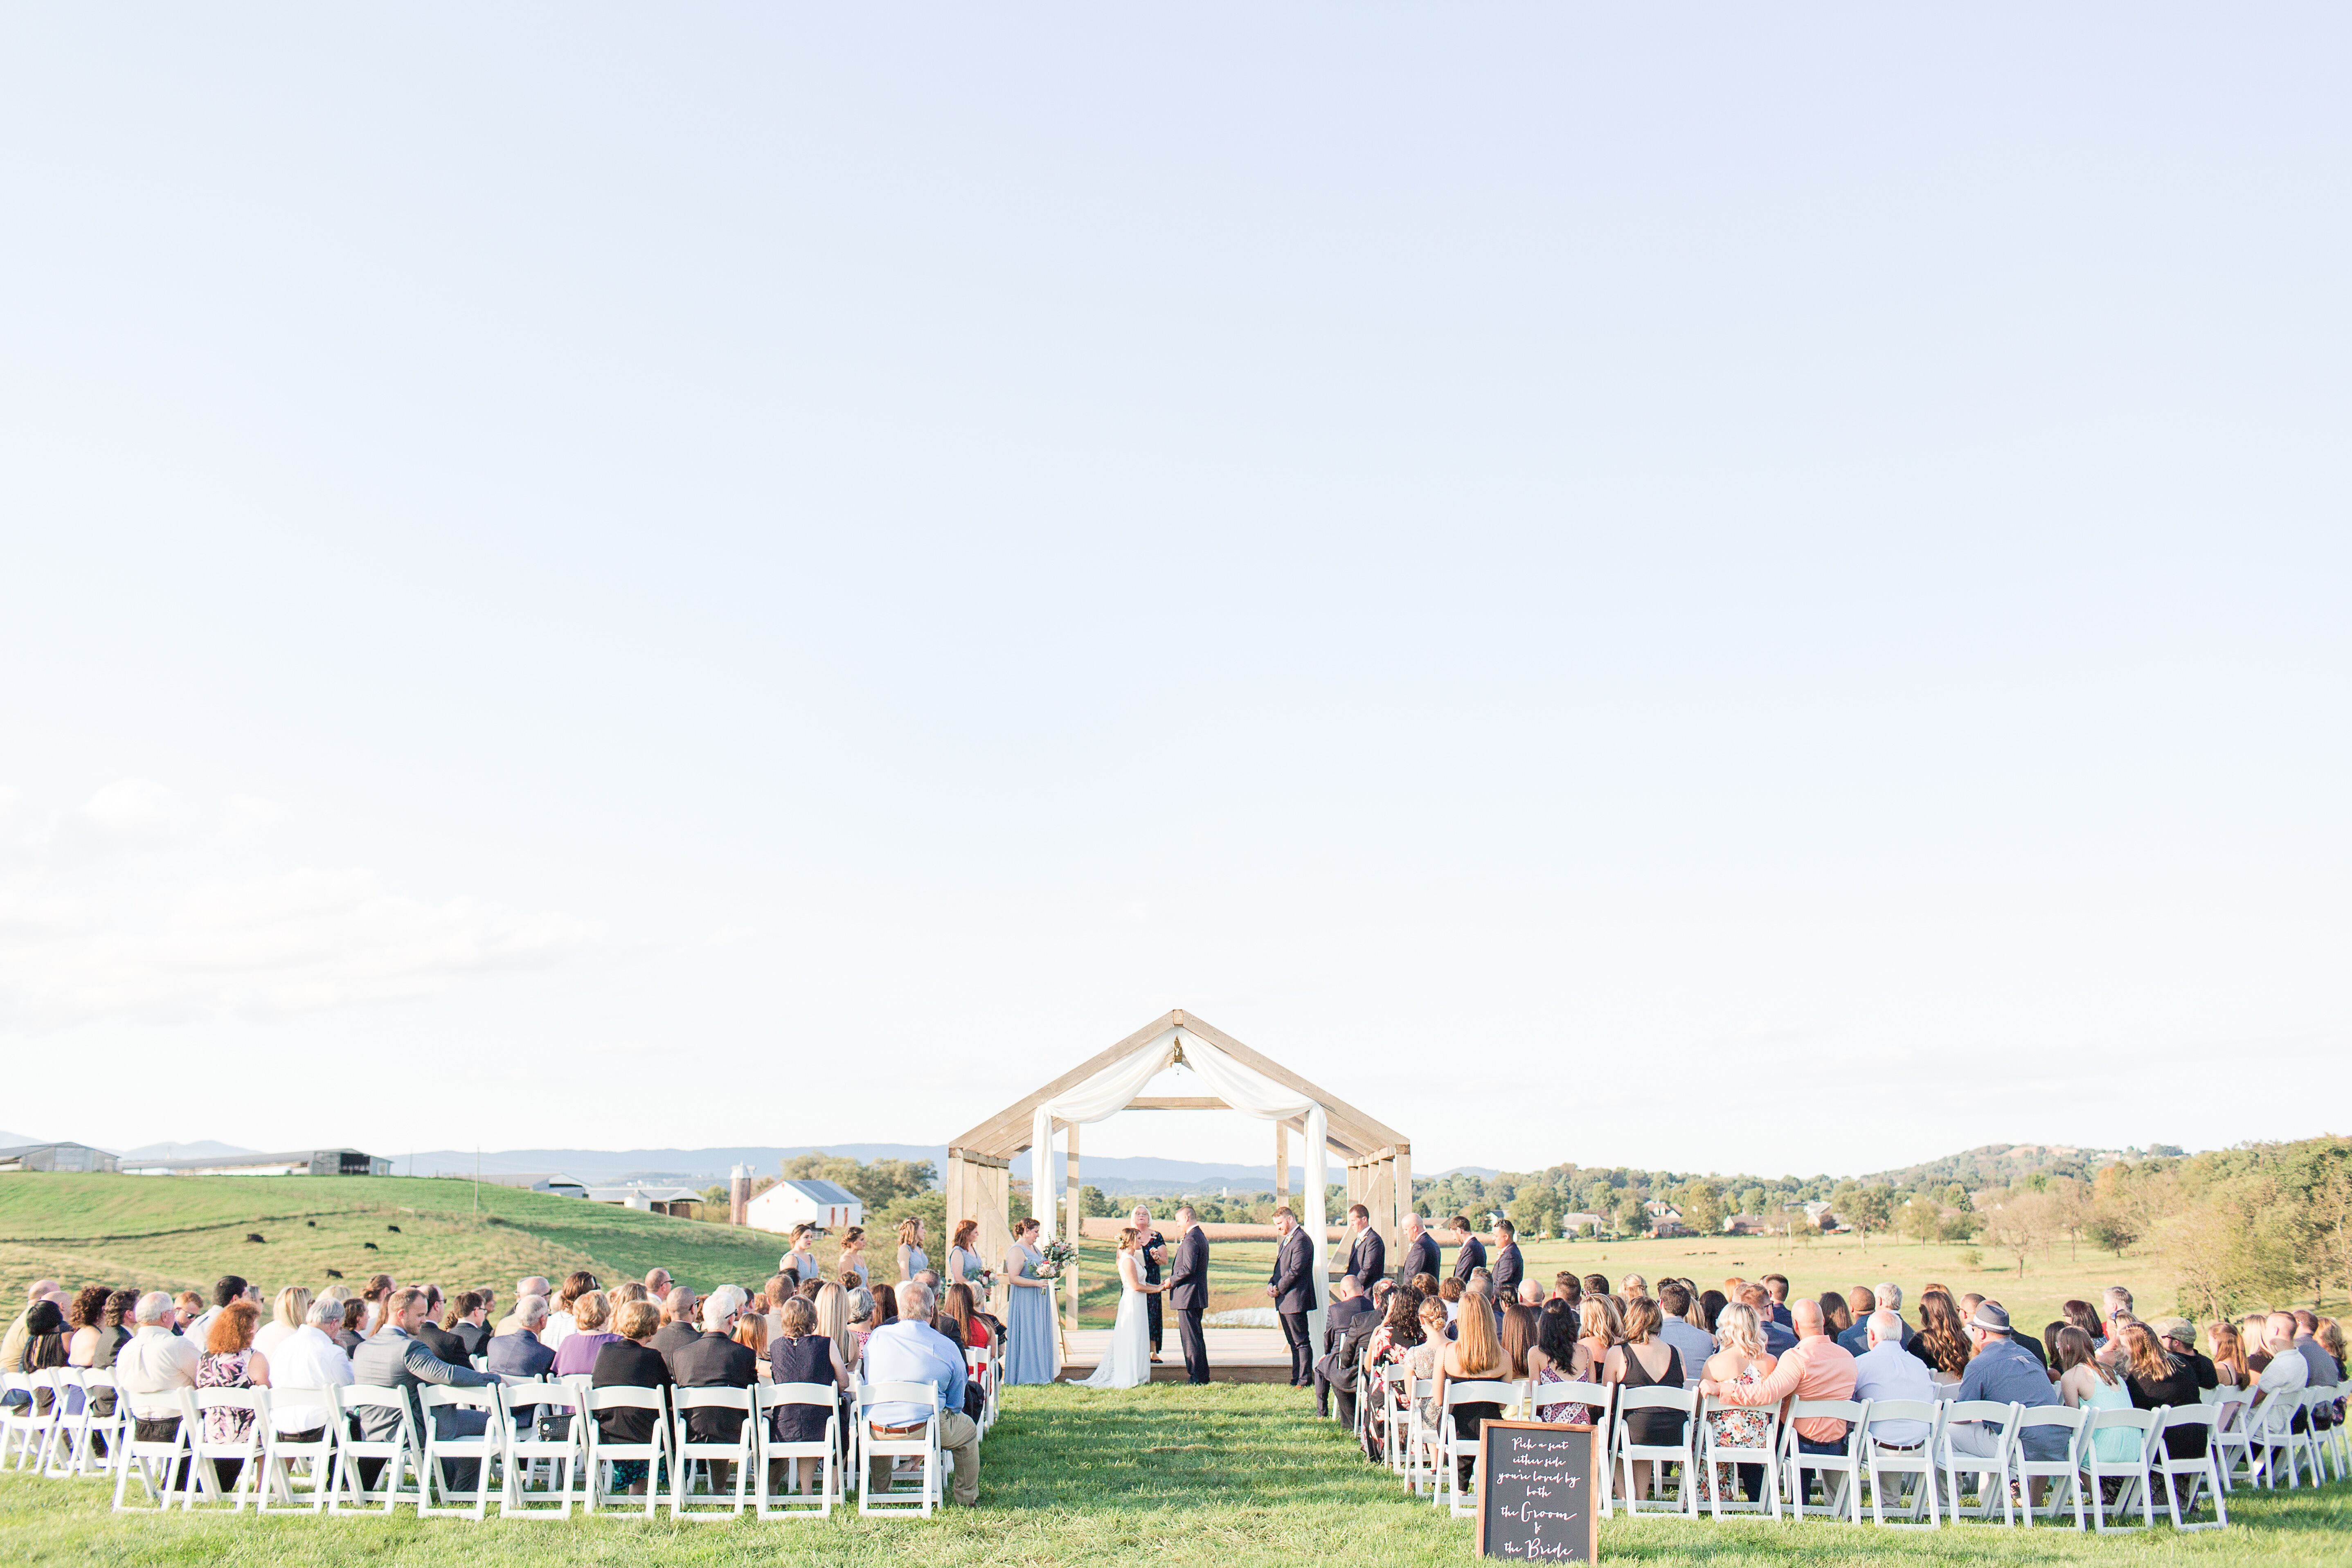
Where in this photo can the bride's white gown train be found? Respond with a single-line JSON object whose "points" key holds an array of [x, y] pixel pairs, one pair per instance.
{"points": [[1128, 1360]]}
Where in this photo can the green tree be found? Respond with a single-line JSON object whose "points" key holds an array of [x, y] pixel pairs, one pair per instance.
{"points": [[1921, 1220], [1094, 1205], [1870, 1209], [1702, 1206], [1632, 1219], [1754, 1201]]}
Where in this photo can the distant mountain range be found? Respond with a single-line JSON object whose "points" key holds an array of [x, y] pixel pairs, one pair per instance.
{"points": [[2006, 1165], [701, 1167]]}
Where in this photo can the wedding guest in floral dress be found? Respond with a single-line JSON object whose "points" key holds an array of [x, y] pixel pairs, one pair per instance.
{"points": [[1396, 1338], [1741, 1360], [230, 1361]]}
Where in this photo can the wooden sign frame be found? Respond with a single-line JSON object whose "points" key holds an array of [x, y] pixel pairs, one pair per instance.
{"points": [[1592, 1480]]}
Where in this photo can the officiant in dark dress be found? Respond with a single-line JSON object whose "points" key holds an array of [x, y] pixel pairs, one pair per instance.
{"points": [[1153, 1248]]}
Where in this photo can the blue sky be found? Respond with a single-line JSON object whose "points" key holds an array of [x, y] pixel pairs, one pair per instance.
{"points": [[1714, 589]]}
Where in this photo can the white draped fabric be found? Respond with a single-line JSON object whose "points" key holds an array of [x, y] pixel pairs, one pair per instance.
{"points": [[1244, 1088]]}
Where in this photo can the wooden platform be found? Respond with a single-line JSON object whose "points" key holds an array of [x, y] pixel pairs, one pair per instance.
{"points": [[1235, 1355]]}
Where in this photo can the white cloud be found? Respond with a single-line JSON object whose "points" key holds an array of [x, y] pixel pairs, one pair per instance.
{"points": [[112, 910]]}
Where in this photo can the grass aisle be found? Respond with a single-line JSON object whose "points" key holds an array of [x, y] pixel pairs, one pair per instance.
{"points": [[1213, 1478]]}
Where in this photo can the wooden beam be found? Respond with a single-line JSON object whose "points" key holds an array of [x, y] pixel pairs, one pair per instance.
{"points": [[1178, 1102], [1345, 1119], [1008, 1131], [994, 1162]]}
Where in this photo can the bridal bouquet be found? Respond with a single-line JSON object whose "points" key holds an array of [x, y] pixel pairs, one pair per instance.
{"points": [[1057, 1256]]}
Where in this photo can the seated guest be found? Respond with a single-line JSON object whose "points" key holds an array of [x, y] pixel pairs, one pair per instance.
{"points": [[1531, 1294], [1885, 1297], [96, 1319], [715, 1361], [348, 1338], [1742, 1359], [308, 1358], [1476, 1356], [1942, 1343], [532, 1285], [885, 1308], [1816, 1367], [779, 1287], [678, 1316], [292, 1306], [1633, 1287], [47, 1345], [970, 1330], [2179, 1337], [2156, 1377], [521, 1353], [1424, 1285], [1560, 1357], [1596, 1285], [1776, 1287], [1450, 1293], [1642, 1360], [861, 1308], [1421, 1360], [229, 1361], [1567, 1288], [1860, 1302], [2005, 1373], [591, 1315], [1778, 1340], [155, 1365], [189, 1306], [657, 1284], [1397, 1336], [1597, 1323], [807, 1289], [393, 1357], [2284, 1375], [470, 1322], [561, 1322], [1346, 1326], [799, 1353], [441, 1338], [751, 1333], [1887, 1370], [2229, 1366], [911, 1350], [1836, 1316], [227, 1289], [1694, 1346], [628, 1359], [2325, 1372], [1710, 1309]]}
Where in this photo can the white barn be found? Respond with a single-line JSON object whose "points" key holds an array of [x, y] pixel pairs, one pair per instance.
{"points": [[828, 1205]]}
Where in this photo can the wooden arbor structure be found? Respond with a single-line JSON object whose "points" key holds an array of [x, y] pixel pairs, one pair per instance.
{"points": [[978, 1180]]}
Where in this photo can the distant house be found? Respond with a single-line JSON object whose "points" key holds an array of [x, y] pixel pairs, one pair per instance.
{"points": [[55, 1157], [828, 1205], [1664, 1218], [1745, 1224], [1570, 1224], [553, 1181], [299, 1163], [683, 1202], [1817, 1215]]}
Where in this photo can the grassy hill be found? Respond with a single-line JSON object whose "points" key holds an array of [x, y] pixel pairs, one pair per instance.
{"points": [[181, 1232]]}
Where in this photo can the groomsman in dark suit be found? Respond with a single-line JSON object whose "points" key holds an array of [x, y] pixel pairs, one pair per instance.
{"points": [[1368, 1254], [1292, 1287], [1154, 1248], [1508, 1268], [1187, 1293], [1420, 1251], [1469, 1252]]}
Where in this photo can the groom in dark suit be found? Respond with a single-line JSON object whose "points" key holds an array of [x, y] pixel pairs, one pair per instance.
{"points": [[1187, 1293], [1293, 1290]]}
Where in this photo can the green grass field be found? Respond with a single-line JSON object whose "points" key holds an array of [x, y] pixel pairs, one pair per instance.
{"points": [[1223, 1477]]}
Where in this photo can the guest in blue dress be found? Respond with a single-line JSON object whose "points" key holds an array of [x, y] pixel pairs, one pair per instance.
{"points": [[1032, 1349]]}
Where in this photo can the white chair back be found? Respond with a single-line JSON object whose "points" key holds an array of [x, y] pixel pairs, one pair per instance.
{"points": [[545, 1436], [653, 1453], [773, 1451], [705, 1452], [446, 1454], [922, 1442]]}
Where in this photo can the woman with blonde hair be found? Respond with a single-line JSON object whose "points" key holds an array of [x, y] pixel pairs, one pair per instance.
{"points": [[831, 1308], [912, 1259], [292, 1306], [1476, 1356], [751, 1333], [591, 1316], [2084, 1383], [1597, 1325], [1741, 1360]]}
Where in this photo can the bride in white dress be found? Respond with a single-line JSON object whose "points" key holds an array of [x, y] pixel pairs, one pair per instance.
{"points": [[1128, 1360]]}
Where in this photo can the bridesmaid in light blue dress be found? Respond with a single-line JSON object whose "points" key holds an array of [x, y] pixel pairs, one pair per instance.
{"points": [[1032, 1350]]}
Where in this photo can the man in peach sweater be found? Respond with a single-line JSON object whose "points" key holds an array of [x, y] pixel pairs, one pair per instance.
{"points": [[1819, 1368]]}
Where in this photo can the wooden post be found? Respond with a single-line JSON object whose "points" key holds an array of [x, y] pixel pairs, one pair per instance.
{"points": [[1077, 1227], [1404, 1165], [1281, 1167]]}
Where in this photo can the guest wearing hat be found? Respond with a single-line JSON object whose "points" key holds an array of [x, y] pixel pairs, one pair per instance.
{"points": [[2179, 1337], [2007, 1374]]}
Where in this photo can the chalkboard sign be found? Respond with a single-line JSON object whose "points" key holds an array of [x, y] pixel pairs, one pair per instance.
{"points": [[1536, 1493]]}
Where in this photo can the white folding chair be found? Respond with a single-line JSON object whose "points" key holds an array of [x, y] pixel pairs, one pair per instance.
{"points": [[1845, 1464], [1601, 1398], [360, 1409], [43, 1419], [70, 1414], [160, 1463], [94, 1444], [530, 1450], [2270, 1423], [977, 1367], [1715, 1450], [17, 1417], [1631, 1402], [2234, 1441], [909, 1439], [245, 1449], [2303, 1439], [704, 1451], [283, 1447], [2202, 1471], [2122, 1459], [1452, 1447], [1916, 1460], [1420, 1433], [442, 1452], [653, 1453], [1992, 1426], [2064, 1473], [774, 1450], [2331, 1437], [1394, 1391]]}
